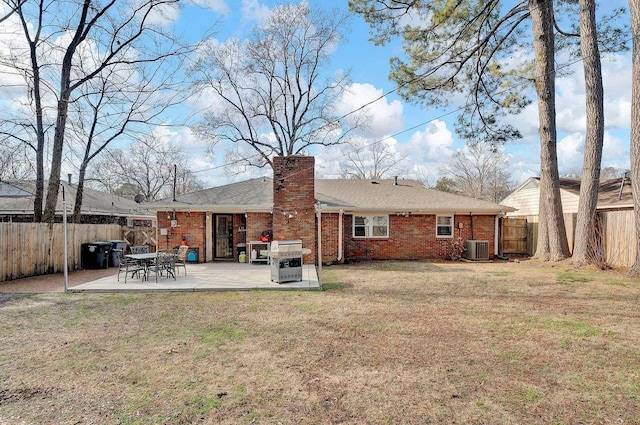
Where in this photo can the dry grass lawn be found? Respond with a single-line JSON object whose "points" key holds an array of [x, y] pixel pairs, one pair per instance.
{"points": [[385, 343]]}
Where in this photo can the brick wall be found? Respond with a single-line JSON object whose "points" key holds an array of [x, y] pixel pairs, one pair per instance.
{"points": [[412, 237], [191, 226], [256, 224], [330, 237], [294, 201]]}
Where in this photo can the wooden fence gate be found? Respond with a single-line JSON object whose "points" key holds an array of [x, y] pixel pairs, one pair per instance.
{"points": [[513, 236]]}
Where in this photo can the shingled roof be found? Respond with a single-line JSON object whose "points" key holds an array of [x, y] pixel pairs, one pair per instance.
{"points": [[16, 197], [248, 195], [612, 193], [336, 194], [405, 196]]}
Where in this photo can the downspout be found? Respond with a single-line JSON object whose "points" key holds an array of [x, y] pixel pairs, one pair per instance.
{"points": [[496, 235], [340, 232]]}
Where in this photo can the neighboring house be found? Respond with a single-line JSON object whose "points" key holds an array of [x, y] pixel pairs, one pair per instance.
{"points": [[16, 205], [613, 194], [360, 219], [615, 208]]}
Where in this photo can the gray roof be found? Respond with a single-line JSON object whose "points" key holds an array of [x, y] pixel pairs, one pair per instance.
{"points": [[609, 193], [93, 202], [406, 196], [336, 194], [248, 195]]}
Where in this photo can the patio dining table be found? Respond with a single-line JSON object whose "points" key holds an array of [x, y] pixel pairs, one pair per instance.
{"points": [[146, 260]]}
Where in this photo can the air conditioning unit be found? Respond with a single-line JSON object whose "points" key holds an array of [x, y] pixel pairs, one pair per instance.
{"points": [[477, 250]]}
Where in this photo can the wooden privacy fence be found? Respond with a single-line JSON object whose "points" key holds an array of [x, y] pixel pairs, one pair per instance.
{"points": [[617, 235], [514, 235], [30, 249]]}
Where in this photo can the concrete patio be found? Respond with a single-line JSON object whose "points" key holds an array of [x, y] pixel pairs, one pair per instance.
{"points": [[217, 276]]}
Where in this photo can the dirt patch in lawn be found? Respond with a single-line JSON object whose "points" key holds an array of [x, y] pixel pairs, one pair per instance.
{"points": [[53, 282], [386, 342]]}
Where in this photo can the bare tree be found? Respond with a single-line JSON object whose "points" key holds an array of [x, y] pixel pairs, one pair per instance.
{"points": [[634, 7], [147, 168], [15, 161], [13, 8], [366, 160], [480, 171], [113, 105], [69, 44], [268, 93]]}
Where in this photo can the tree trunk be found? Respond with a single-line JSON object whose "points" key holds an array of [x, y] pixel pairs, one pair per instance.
{"points": [[77, 207], [634, 7], [56, 162], [61, 121], [551, 231], [37, 97], [585, 225]]}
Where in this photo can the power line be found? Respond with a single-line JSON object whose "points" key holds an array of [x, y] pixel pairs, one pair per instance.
{"points": [[431, 120]]}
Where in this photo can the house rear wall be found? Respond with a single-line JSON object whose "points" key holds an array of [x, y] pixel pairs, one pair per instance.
{"points": [[191, 225], [258, 223], [412, 237]]}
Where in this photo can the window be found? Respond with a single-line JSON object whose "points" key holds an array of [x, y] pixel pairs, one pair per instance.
{"points": [[370, 226], [444, 226]]}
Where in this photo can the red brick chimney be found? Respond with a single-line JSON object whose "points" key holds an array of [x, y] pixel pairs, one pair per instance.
{"points": [[294, 201]]}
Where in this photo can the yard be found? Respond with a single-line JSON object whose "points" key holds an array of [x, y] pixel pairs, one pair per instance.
{"points": [[386, 342]]}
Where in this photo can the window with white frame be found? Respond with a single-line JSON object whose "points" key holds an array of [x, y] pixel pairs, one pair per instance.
{"points": [[370, 226], [444, 226]]}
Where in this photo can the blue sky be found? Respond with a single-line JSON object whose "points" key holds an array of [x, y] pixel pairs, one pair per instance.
{"points": [[423, 137], [431, 139]]}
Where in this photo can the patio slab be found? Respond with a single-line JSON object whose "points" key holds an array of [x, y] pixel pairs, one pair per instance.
{"points": [[219, 276]]}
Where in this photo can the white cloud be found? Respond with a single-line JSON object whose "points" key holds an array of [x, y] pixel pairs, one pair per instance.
{"points": [[381, 117], [570, 149], [571, 98], [616, 77], [253, 10], [328, 164], [218, 6], [615, 152], [570, 153], [163, 15], [427, 152], [433, 144]]}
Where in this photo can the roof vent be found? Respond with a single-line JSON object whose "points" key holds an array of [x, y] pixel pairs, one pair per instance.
{"points": [[625, 176]]}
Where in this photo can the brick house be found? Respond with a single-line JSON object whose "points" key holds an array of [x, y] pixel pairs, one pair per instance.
{"points": [[359, 219]]}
